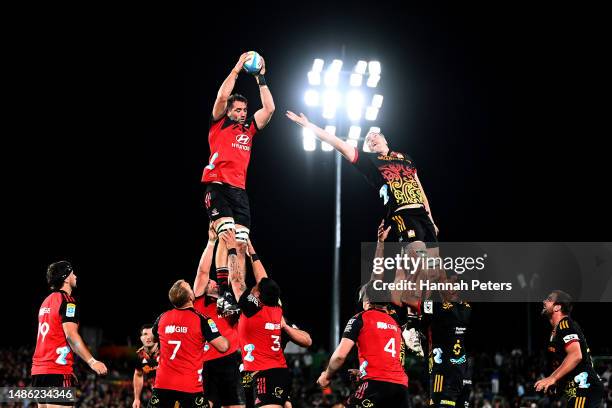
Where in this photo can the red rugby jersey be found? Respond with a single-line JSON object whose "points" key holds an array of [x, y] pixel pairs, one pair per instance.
{"points": [[259, 329], [230, 151], [230, 332], [378, 339], [53, 355], [182, 334]]}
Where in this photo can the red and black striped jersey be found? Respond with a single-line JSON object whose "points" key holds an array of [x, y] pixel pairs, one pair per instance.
{"points": [[53, 355]]}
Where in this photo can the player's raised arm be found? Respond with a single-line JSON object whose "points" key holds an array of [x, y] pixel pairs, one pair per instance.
{"points": [[236, 275], [258, 269], [263, 115], [203, 274], [226, 89], [340, 145], [71, 330]]}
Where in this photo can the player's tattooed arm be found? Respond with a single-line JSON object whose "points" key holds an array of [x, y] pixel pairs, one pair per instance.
{"points": [[258, 269], [78, 346], [226, 89], [236, 274], [203, 274], [345, 149]]}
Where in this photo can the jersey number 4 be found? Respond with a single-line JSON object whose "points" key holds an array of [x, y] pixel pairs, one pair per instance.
{"points": [[390, 347]]}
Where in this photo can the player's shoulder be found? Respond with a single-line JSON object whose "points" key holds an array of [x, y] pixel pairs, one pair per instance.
{"points": [[566, 324], [357, 316], [59, 298], [201, 316]]}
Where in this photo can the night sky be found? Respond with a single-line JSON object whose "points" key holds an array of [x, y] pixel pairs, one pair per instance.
{"points": [[497, 106]]}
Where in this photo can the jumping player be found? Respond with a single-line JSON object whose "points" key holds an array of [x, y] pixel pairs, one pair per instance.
{"points": [[383, 382], [182, 333], [231, 139], [394, 176], [570, 357], [58, 335], [146, 365]]}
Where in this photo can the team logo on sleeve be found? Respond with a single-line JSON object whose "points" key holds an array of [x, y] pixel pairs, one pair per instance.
{"points": [[570, 338], [70, 310], [428, 307], [349, 325], [212, 325], [253, 299]]}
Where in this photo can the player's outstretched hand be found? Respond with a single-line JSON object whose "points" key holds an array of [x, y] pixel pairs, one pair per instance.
{"points": [[212, 234], [382, 232], [136, 404], [99, 367], [544, 383], [323, 380], [262, 71], [229, 237], [240, 64], [301, 120]]}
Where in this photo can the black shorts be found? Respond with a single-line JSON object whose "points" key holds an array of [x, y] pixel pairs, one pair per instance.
{"points": [[413, 224], [372, 393], [223, 382], [162, 398], [271, 387], [223, 200], [464, 397], [247, 386], [446, 388], [55, 380], [587, 398]]}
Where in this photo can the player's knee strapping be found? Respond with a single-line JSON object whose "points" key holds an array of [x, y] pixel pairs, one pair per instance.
{"points": [[242, 234], [225, 225]]}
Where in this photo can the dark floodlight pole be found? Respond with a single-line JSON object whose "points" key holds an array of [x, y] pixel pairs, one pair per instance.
{"points": [[335, 319]]}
